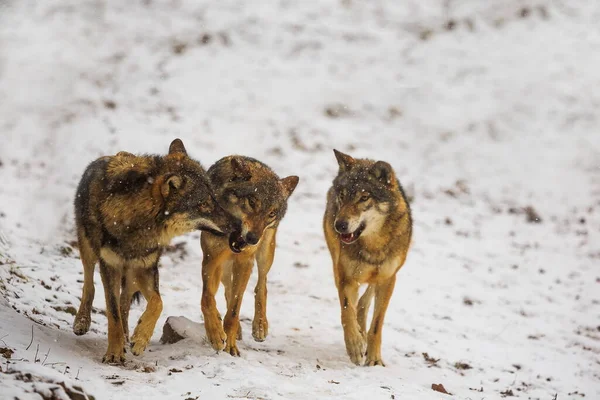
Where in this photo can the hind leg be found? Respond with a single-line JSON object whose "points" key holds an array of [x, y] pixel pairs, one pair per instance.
{"points": [[264, 260], [83, 319], [127, 291], [363, 308], [147, 282]]}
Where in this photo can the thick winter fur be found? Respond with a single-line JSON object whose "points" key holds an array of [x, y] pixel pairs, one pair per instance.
{"points": [[127, 208], [253, 193], [368, 228]]}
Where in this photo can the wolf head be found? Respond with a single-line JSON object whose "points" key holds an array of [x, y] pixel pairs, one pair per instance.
{"points": [[188, 196], [254, 194], [365, 192]]}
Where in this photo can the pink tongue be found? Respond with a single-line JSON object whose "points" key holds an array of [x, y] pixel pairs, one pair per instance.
{"points": [[347, 237]]}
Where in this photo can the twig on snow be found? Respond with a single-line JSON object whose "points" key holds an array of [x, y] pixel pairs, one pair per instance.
{"points": [[31, 342], [37, 349], [46, 357]]}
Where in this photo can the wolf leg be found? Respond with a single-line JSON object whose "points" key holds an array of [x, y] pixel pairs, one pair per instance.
{"points": [[354, 338], [147, 281], [383, 294], [363, 308], [111, 278], [243, 270], [264, 260], [83, 319], [226, 280], [211, 275], [127, 291]]}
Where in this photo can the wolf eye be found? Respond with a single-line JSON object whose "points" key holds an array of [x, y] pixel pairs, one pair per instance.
{"points": [[272, 214], [364, 197], [251, 202]]}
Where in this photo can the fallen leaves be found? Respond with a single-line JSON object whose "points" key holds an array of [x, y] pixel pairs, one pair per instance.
{"points": [[6, 352], [462, 365], [430, 360], [439, 388]]}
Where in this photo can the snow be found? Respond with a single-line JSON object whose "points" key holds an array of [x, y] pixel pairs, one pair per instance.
{"points": [[496, 114]]}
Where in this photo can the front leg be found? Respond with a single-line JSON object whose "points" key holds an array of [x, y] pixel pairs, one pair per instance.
{"points": [[211, 275], [242, 269], [383, 294], [353, 336], [264, 260], [147, 282], [111, 278], [226, 280]]}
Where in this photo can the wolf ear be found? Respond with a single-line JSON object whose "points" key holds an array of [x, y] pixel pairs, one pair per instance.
{"points": [[240, 169], [384, 173], [289, 184], [170, 184], [177, 147], [344, 160]]}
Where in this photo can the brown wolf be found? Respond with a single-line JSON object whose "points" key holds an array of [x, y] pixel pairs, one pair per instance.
{"points": [[252, 192], [368, 228], [127, 208]]}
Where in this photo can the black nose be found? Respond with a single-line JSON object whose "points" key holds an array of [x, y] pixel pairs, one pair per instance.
{"points": [[236, 225], [341, 226], [251, 238]]}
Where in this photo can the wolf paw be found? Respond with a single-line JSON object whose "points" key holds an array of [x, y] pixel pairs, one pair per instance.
{"points": [[138, 345], [356, 347], [232, 349], [114, 358], [260, 329], [216, 337], [374, 362], [81, 325]]}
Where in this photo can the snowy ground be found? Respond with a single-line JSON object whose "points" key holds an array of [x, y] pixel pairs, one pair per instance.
{"points": [[483, 109]]}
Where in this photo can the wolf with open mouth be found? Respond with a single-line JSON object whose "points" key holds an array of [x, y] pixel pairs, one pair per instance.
{"points": [[252, 192], [368, 229]]}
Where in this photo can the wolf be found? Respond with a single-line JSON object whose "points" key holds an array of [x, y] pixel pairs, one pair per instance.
{"points": [[127, 209], [368, 228], [252, 192]]}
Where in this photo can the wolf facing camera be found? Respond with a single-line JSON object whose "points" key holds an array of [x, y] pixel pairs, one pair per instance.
{"points": [[368, 228], [252, 192]]}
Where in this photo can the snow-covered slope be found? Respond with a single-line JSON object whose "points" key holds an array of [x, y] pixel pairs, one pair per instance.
{"points": [[482, 109]]}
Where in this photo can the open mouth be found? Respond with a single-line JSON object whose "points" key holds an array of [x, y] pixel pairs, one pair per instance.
{"points": [[352, 236], [237, 242]]}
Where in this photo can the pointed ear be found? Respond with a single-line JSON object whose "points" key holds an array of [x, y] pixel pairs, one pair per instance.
{"points": [[170, 184], [289, 184], [344, 160], [240, 169], [177, 147], [384, 173]]}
